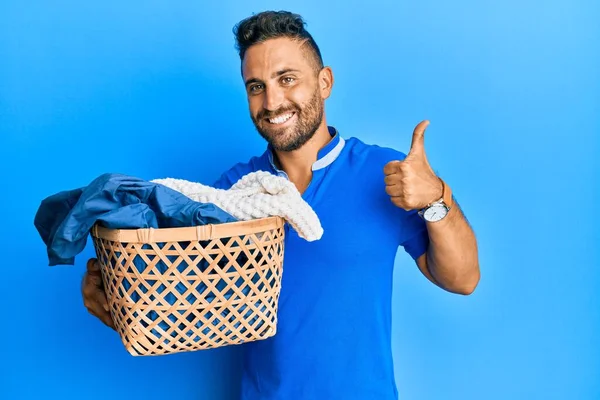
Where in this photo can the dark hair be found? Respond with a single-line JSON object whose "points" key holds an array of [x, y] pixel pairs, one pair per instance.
{"points": [[270, 25]]}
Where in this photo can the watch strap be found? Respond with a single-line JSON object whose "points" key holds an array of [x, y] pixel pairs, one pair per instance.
{"points": [[446, 198], [446, 194]]}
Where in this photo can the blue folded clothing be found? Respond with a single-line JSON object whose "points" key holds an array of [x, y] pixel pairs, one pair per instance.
{"points": [[115, 201]]}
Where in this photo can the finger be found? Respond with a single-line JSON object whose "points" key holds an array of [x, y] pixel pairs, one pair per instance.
{"points": [[391, 180], [94, 274], [391, 167], [94, 292], [417, 146], [395, 179], [93, 267], [393, 190], [100, 298], [102, 315], [91, 282], [401, 203], [106, 319]]}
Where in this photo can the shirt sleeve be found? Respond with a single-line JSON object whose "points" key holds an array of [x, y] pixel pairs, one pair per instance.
{"points": [[411, 228], [416, 241]]}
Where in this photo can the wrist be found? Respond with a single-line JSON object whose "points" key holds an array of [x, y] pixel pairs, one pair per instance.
{"points": [[444, 194], [439, 208]]}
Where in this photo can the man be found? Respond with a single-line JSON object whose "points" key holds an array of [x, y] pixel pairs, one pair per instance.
{"points": [[334, 332]]}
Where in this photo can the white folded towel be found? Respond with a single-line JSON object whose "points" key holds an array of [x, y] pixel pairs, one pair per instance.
{"points": [[256, 195]]}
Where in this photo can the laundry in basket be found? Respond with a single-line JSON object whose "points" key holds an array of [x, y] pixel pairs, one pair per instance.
{"points": [[181, 274]]}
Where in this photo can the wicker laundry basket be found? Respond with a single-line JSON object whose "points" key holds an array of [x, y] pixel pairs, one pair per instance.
{"points": [[183, 289]]}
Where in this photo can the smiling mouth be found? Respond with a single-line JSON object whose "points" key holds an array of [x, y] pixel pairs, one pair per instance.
{"points": [[280, 119]]}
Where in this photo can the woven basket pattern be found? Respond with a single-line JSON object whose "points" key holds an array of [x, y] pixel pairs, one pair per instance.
{"points": [[185, 289]]}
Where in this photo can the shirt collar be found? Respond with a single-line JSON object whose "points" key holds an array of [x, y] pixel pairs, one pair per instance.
{"points": [[327, 155]]}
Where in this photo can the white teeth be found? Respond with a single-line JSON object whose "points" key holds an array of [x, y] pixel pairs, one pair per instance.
{"points": [[281, 119]]}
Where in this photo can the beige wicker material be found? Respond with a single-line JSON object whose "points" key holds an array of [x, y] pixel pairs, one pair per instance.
{"points": [[184, 289]]}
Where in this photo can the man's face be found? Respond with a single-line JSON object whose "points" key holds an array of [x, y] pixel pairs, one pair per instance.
{"points": [[285, 100]]}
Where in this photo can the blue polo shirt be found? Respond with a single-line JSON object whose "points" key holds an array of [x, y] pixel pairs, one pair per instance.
{"points": [[333, 337]]}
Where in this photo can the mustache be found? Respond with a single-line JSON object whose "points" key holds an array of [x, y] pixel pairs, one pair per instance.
{"points": [[272, 114]]}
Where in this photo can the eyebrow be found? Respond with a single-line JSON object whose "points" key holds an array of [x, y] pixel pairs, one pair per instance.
{"points": [[276, 74]]}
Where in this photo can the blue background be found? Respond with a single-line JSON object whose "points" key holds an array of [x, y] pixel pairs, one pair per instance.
{"points": [[152, 89]]}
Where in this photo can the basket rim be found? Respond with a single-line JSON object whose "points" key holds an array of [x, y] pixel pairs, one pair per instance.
{"points": [[201, 232]]}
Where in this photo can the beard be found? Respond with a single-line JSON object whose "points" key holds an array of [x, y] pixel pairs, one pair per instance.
{"points": [[308, 119]]}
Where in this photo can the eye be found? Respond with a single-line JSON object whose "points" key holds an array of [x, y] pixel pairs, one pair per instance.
{"points": [[255, 88], [288, 80]]}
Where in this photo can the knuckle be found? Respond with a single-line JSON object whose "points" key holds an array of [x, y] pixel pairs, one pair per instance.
{"points": [[91, 263], [391, 167]]}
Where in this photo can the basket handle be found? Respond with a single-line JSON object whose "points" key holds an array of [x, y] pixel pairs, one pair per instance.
{"points": [[145, 235], [203, 230]]}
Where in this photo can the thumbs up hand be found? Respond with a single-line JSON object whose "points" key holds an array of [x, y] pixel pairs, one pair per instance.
{"points": [[411, 183]]}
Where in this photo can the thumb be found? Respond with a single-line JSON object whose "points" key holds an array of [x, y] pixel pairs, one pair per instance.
{"points": [[417, 147]]}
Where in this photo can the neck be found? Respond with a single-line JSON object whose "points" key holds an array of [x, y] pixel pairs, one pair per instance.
{"points": [[297, 164]]}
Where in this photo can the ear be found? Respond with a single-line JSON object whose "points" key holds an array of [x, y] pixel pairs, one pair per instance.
{"points": [[325, 82]]}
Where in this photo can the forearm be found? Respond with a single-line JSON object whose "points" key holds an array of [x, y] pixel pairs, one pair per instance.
{"points": [[452, 257]]}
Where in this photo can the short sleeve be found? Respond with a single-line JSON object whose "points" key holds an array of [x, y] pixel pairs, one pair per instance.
{"points": [[409, 226], [416, 239]]}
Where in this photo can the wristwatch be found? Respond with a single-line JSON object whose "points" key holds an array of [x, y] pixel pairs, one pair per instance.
{"points": [[438, 210]]}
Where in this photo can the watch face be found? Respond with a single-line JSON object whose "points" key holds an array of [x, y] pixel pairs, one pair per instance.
{"points": [[435, 213]]}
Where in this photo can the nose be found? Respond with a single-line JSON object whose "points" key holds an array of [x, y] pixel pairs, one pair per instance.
{"points": [[273, 98]]}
